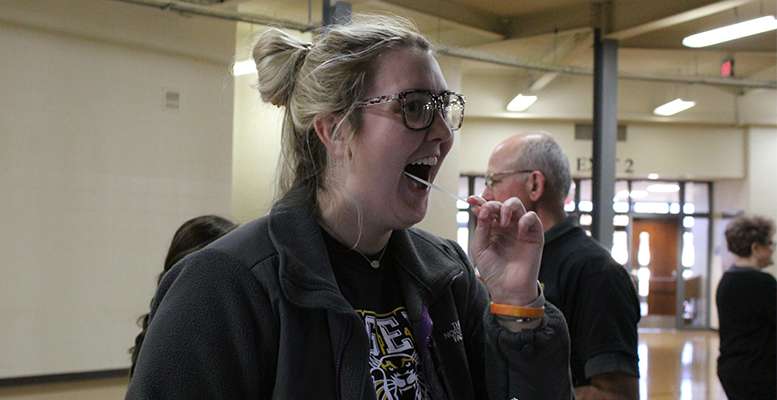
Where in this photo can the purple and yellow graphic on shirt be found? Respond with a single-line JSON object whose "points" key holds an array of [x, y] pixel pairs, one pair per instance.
{"points": [[393, 359]]}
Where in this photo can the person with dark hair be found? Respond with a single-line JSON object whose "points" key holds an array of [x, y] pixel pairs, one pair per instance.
{"points": [[334, 294], [747, 311], [193, 235], [594, 292]]}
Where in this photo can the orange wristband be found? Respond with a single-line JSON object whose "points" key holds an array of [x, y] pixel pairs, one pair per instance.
{"points": [[508, 310]]}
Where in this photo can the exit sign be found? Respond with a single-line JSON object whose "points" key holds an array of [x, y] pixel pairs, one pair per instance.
{"points": [[727, 68]]}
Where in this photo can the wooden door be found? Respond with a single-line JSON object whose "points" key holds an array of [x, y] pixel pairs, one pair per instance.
{"points": [[663, 244]]}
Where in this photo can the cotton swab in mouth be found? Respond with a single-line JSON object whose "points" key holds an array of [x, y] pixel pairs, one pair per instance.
{"points": [[433, 186]]}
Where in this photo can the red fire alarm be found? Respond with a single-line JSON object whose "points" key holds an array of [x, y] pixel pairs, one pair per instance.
{"points": [[727, 68]]}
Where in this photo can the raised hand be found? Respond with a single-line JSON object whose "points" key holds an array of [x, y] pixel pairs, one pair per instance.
{"points": [[507, 249]]}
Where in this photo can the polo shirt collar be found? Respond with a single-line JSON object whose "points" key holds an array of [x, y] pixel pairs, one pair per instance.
{"points": [[560, 229]]}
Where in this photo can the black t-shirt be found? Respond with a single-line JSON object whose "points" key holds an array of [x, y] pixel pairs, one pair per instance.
{"points": [[376, 296], [598, 300], [747, 309]]}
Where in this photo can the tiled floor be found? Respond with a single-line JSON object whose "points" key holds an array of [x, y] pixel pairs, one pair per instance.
{"points": [[678, 365]]}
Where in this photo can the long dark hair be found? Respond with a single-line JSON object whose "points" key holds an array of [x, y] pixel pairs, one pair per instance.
{"points": [[193, 235]]}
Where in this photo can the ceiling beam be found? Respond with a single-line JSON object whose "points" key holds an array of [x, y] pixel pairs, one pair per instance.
{"points": [[557, 21], [230, 4], [674, 18], [763, 73], [566, 53], [622, 19], [187, 8], [460, 14]]}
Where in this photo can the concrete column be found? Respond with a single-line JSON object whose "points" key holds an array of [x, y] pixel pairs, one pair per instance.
{"points": [[605, 131], [337, 13]]}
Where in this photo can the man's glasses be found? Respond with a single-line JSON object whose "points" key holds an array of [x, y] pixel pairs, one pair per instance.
{"points": [[419, 106], [493, 179]]}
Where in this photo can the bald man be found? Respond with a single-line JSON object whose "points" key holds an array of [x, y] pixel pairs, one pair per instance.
{"points": [[580, 277]]}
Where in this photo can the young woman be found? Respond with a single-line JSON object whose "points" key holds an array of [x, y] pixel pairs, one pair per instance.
{"points": [[193, 235], [334, 295]]}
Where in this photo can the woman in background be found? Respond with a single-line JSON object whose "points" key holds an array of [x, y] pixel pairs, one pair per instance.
{"points": [[747, 309], [193, 235], [333, 294]]}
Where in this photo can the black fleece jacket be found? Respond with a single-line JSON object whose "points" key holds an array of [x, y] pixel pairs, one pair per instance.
{"points": [[258, 315]]}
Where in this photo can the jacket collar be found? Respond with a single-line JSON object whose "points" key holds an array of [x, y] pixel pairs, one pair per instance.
{"points": [[304, 271], [306, 275], [414, 253]]}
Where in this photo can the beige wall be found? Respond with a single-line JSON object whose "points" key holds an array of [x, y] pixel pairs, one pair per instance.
{"points": [[762, 169], [757, 107], [256, 146], [257, 137], [672, 151], [753, 195], [762, 173], [98, 173]]}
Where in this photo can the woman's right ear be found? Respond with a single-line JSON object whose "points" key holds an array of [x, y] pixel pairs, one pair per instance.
{"points": [[327, 132]]}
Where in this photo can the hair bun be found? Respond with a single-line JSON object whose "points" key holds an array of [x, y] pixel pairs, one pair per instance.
{"points": [[278, 57]]}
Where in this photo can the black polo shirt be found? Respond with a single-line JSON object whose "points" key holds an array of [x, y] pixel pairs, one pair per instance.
{"points": [[598, 299]]}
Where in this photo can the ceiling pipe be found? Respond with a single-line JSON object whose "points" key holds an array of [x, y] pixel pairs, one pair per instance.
{"points": [[223, 14], [569, 70], [457, 52]]}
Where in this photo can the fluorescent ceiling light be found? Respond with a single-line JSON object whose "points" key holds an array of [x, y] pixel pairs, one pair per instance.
{"points": [[521, 103], [663, 188], [544, 80], [731, 32], [673, 107], [244, 67]]}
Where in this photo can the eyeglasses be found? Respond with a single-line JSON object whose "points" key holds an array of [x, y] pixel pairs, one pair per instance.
{"points": [[491, 179], [418, 107]]}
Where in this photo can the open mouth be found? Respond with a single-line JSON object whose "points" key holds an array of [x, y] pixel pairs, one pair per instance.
{"points": [[421, 169]]}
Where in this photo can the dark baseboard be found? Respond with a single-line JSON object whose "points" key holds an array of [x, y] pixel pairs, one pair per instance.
{"points": [[66, 377]]}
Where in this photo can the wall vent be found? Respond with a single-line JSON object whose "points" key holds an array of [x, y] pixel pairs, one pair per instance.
{"points": [[172, 99], [586, 132]]}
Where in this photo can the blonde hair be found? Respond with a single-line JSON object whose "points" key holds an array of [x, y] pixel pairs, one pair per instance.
{"points": [[325, 77]]}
